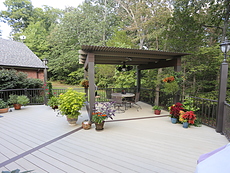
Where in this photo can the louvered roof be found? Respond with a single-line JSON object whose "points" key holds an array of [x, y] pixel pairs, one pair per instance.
{"points": [[17, 54], [116, 55]]}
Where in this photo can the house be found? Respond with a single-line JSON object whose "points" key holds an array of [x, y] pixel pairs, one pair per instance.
{"points": [[16, 55]]}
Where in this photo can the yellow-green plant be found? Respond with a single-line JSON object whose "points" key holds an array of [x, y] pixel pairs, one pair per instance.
{"points": [[71, 102]]}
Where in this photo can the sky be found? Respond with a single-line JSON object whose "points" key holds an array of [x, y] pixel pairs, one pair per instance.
{"points": [[38, 3]]}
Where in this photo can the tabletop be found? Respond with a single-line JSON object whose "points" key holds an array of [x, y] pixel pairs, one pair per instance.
{"points": [[124, 95]]}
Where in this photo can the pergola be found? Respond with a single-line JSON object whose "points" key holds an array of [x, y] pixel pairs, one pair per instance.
{"points": [[142, 59]]}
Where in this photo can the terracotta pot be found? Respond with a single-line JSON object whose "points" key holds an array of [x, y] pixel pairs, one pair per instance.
{"points": [[17, 106], [86, 125], [157, 112], [4, 110], [99, 126], [72, 121]]}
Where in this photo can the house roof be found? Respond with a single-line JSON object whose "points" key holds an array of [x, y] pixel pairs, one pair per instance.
{"points": [[146, 59], [18, 55]]}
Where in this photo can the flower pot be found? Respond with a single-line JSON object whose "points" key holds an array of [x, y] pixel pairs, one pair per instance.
{"points": [[72, 121], [185, 125], [4, 110], [174, 120], [17, 106], [99, 126], [157, 112], [86, 125]]}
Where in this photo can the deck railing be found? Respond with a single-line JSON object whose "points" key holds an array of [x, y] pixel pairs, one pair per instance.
{"points": [[226, 123], [207, 112]]}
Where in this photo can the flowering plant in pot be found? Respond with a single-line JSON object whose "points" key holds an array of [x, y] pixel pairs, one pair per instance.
{"points": [[70, 104], [175, 111], [187, 118], [101, 113], [157, 109]]}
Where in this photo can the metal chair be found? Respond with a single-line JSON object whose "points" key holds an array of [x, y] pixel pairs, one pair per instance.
{"points": [[117, 99], [135, 100]]}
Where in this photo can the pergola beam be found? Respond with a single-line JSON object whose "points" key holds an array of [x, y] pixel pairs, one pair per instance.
{"points": [[161, 64]]}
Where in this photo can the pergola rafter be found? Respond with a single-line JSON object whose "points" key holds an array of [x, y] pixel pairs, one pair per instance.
{"points": [[143, 59]]}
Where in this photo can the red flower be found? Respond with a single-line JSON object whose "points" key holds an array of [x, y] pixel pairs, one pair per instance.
{"points": [[175, 110]]}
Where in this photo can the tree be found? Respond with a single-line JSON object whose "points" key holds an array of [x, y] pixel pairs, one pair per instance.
{"points": [[144, 19], [18, 14]]}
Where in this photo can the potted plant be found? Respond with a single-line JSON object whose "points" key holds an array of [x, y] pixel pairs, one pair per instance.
{"points": [[187, 118], [101, 113], [175, 112], [84, 83], [3, 106], [53, 102], [157, 109], [18, 100], [70, 104]]}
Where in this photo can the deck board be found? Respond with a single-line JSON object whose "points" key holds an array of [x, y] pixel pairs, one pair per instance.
{"points": [[129, 145]]}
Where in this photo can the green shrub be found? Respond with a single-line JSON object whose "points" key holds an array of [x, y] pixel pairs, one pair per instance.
{"points": [[71, 102]]}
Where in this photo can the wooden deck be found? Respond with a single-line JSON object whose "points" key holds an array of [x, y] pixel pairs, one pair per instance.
{"points": [[34, 138]]}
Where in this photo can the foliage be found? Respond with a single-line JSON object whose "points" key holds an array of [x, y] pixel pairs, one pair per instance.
{"points": [[3, 104], [172, 83], [104, 75], [175, 110], [170, 88], [187, 116], [18, 99], [103, 112], [71, 102], [125, 79], [74, 78], [53, 101], [188, 105], [155, 107], [195, 27], [10, 79], [50, 87]]}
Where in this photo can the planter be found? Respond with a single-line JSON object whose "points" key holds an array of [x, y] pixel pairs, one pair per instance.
{"points": [[185, 125], [157, 112], [72, 121], [54, 107], [17, 106], [99, 126], [174, 120], [4, 110], [86, 125]]}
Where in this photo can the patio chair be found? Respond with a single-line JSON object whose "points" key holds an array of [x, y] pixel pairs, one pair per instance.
{"points": [[118, 103], [135, 100]]}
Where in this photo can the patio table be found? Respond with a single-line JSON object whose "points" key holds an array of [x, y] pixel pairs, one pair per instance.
{"points": [[124, 95], [127, 97]]}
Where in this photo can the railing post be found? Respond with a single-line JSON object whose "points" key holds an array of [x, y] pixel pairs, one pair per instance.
{"points": [[222, 96]]}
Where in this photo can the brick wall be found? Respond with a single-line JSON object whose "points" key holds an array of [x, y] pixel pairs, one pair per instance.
{"points": [[36, 74]]}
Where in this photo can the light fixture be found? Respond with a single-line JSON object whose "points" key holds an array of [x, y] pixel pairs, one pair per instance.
{"points": [[124, 67], [45, 61], [225, 47]]}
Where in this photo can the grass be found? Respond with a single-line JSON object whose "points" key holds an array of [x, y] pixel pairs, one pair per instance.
{"points": [[58, 85]]}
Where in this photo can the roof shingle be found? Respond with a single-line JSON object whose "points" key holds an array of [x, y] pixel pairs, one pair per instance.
{"points": [[17, 54]]}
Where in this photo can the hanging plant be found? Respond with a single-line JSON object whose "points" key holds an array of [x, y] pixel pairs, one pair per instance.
{"points": [[171, 84]]}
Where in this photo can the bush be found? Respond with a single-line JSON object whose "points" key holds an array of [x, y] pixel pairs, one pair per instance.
{"points": [[10, 79]]}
